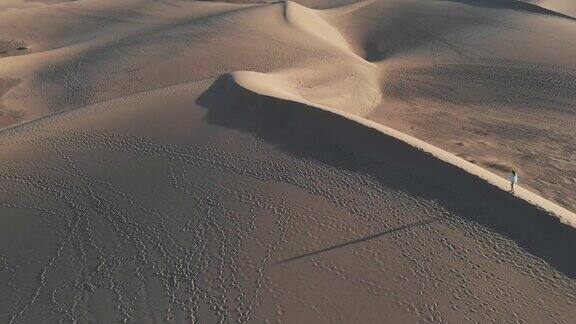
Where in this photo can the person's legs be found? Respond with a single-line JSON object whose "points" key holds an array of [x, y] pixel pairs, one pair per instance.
{"points": [[512, 187]]}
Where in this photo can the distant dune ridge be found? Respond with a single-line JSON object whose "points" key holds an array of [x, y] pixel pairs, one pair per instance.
{"points": [[202, 161]]}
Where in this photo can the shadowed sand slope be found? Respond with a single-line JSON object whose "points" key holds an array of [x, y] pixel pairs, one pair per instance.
{"points": [[253, 208]]}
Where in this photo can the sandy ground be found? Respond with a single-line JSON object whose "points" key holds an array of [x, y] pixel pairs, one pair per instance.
{"points": [[163, 171]]}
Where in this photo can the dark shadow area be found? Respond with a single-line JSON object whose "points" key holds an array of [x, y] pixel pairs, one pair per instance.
{"points": [[364, 239], [512, 5], [310, 133]]}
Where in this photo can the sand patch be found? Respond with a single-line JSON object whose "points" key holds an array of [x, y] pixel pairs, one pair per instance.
{"points": [[9, 116]]}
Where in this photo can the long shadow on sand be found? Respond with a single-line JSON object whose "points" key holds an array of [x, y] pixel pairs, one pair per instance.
{"points": [[363, 239], [310, 133]]}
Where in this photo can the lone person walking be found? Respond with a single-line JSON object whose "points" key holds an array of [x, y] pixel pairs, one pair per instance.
{"points": [[513, 180]]}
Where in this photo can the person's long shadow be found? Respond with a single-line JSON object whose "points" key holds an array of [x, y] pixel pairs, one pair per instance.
{"points": [[364, 239], [310, 133]]}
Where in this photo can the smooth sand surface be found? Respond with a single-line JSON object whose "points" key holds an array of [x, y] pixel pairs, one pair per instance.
{"points": [[179, 161]]}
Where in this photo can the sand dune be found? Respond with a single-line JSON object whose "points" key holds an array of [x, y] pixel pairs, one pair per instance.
{"points": [[256, 208], [200, 161]]}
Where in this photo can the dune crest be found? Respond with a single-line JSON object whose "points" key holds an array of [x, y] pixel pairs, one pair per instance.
{"points": [[311, 21], [268, 85]]}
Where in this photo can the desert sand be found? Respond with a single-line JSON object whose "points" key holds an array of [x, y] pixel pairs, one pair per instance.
{"points": [[299, 162]]}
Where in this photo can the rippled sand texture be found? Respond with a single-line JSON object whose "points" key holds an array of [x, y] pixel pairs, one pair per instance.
{"points": [[147, 184]]}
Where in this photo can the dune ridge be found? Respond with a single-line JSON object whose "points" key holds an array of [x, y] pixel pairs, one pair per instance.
{"points": [[273, 87], [309, 20]]}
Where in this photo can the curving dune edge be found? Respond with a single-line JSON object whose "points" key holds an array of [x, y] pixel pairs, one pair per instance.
{"points": [[268, 85]]}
